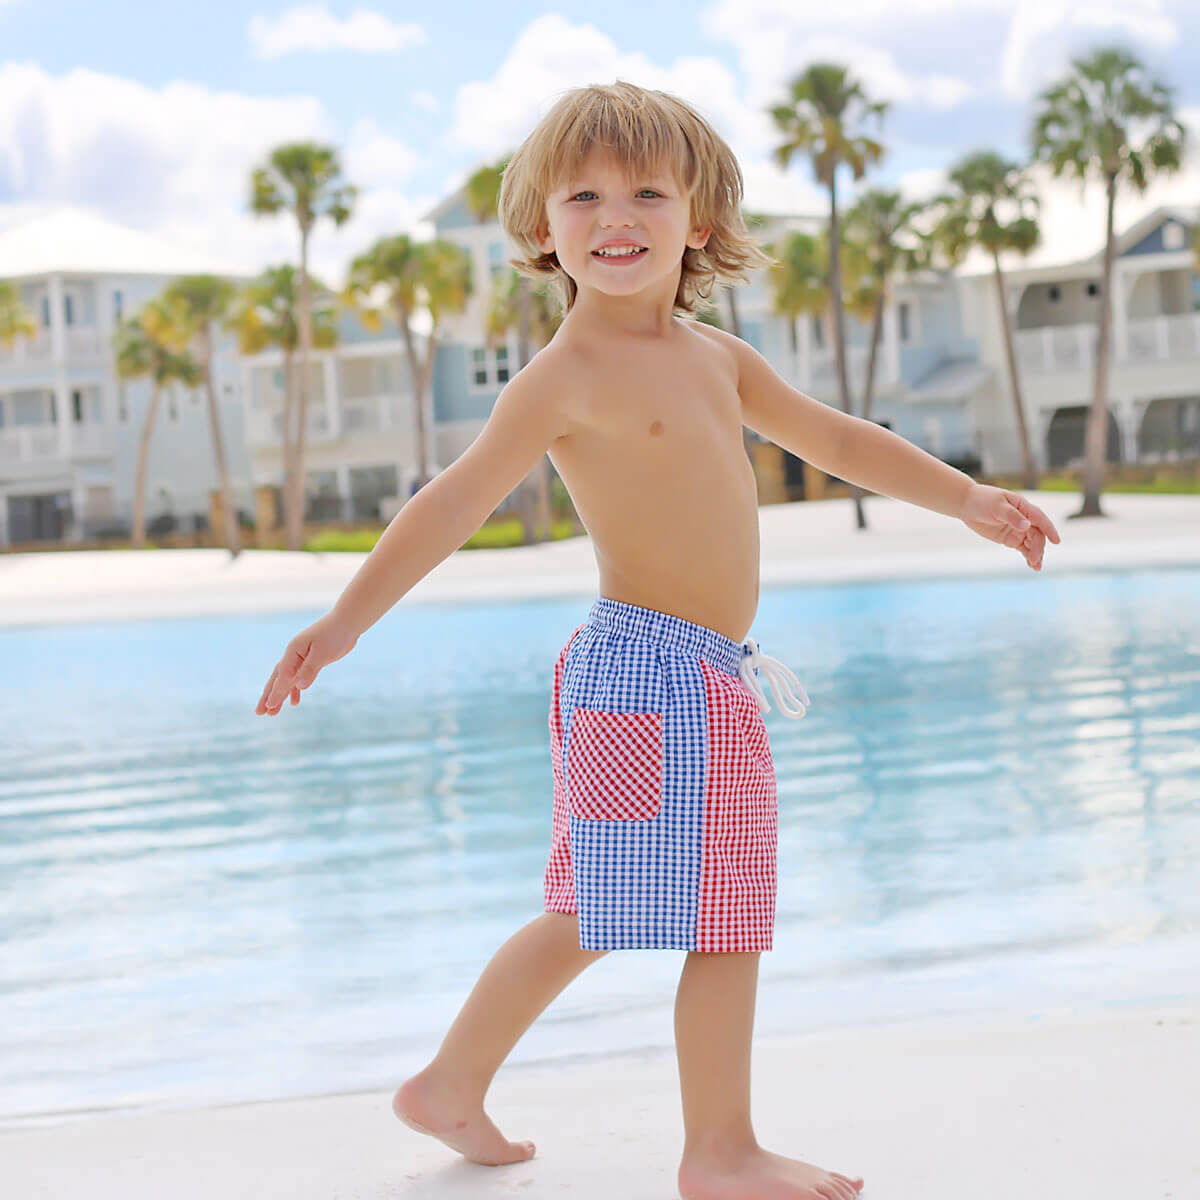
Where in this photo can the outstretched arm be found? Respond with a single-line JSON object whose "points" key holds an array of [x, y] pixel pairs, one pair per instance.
{"points": [[527, 417], [873, 457]]}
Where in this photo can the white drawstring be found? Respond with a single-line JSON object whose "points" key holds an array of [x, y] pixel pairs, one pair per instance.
{"points": [[776, 673]]}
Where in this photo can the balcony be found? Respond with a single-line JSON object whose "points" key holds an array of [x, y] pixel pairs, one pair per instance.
{"points": [[1162, 339], [83, 343], [41, 444], [359, 415]]}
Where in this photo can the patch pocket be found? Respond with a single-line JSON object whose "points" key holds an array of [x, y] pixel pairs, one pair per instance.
{"points": [[615, 765]]}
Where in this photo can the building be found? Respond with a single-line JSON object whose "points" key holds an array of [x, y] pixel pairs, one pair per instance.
{"points": [[1053, 302], [69, 429]]}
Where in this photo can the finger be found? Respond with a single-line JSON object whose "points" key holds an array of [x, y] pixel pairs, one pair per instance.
{"points": [[262, 700], [295, 696], [289, 665]]}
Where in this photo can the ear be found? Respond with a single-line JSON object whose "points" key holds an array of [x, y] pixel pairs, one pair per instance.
{"points": [[699, 236], [544, 239]]}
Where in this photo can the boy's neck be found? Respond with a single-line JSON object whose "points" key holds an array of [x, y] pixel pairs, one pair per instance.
{"points": [[647, 314]]}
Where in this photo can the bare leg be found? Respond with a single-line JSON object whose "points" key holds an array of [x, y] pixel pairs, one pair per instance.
{"points": [[523, 976], [722, 1160]]}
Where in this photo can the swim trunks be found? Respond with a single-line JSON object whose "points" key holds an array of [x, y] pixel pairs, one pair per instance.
{"points": [[665, 808]]}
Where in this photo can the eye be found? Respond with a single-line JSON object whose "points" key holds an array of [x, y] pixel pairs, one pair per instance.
{"points": [[589, 192]]}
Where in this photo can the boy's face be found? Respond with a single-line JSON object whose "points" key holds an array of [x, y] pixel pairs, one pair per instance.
{"points": [[599, 204]]}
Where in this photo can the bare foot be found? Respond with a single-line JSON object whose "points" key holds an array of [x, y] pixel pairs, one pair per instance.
{"points": [[429, 1106], [761, 1175]]}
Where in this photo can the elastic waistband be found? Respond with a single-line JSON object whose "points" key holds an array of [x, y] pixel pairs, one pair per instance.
{"points": [[666, 629]]}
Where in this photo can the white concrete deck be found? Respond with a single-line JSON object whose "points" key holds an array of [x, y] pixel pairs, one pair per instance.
{"points": [[800, 543]]}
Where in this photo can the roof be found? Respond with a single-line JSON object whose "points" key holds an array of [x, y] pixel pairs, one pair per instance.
{"points": [[950, 380], [75, 241]]}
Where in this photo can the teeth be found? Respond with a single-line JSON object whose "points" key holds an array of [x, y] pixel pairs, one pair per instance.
{"points": [[621, 253]]}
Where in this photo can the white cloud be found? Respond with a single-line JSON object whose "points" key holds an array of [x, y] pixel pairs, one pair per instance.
{"points": [[176, 161], [313, 27], [1045, 33], [426, 100], [551, 56], [776, 39]]}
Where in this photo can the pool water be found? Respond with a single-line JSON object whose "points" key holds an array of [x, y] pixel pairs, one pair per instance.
{"points": [[992, 804]]}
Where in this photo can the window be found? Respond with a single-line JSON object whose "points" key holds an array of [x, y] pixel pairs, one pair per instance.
{"points": [[489, 366], [69, 308], [45, 312], [172, 405], [1093, 288], [1053, 293], [818, 331], [495, 257], [1195, 292], [1172, 235], [77, 406], [118, 301], [905, 315]]}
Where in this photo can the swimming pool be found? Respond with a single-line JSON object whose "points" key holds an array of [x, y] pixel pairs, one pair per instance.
{"points": [[992, 804]]}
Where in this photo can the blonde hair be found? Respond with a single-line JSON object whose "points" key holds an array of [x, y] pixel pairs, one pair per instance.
{"points": [[645, 130]]}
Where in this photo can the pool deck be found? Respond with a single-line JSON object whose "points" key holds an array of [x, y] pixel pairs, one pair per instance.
{"points": [[799, 543], [1034, 1104]]}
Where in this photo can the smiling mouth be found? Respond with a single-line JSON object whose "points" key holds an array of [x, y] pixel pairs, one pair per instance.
{"points": [[636, 254]]}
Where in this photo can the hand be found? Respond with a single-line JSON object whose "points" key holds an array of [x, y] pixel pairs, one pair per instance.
{"points": [[323, 642], [1006, 517]]}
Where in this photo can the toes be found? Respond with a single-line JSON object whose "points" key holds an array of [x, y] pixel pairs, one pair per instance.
{"points": [[856, 1182], [528, 1149]]}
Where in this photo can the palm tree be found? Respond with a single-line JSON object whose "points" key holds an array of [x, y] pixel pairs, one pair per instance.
{"points": [[824, 108], [880, 227], [306, 179], [15, 319], [1108, 118], [967, 217], [202, 301], [404, 275], [482, 194], [266, 313], [148, 344]]}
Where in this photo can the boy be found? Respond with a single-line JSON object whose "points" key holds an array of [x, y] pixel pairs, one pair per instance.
{"points": [[664, 826]]}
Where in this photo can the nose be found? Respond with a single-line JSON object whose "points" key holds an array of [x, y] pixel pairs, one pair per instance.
{"points": [[615, 212]]}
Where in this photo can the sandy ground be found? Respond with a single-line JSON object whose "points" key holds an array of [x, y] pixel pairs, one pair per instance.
{"points": [[1094, 1106], [1069, 1106], [800, 543]]}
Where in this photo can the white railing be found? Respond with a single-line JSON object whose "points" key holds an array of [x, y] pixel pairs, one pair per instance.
{"points": [[1073, 347], [41, 443], [359, 415], [83, 341], [36, 349]]}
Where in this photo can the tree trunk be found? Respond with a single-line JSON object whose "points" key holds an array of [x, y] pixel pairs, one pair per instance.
{"points": [[296, 513], [869, 387], [289, 420], [417, 377], [735, 320], [1097, 423], [232, 540], [1030, 480], [139, 487], [839, 324]]}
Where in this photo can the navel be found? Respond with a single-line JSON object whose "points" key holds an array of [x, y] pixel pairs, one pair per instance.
{"points": [[656, 428]]}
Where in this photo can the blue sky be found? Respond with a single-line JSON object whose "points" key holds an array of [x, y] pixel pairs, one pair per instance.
{"points": [[153, 115]]}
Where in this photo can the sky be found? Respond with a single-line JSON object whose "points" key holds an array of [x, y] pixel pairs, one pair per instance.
{"points": [[154, 114]]}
